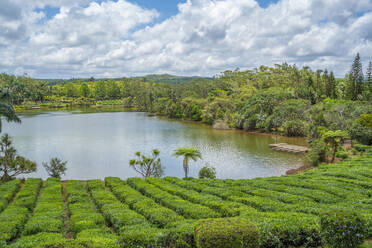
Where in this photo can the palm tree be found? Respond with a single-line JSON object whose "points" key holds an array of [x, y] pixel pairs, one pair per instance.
{"points": [[187, 153], [7, 110]]}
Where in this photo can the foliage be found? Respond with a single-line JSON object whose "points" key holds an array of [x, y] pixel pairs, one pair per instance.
{"points": [[207, 172], [334, 139], [148, 166], [344, 229], [187, 153], [318, 152], [227, 232], [362, 129], [11, 164], [287, 210], [294, 128], [56, 168], [341, 154]]}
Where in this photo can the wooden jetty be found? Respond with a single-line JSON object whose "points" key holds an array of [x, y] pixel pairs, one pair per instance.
{"points": [[289, 148]]}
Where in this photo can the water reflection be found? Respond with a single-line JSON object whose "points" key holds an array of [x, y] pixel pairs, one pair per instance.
{"points": [[97, 145]]}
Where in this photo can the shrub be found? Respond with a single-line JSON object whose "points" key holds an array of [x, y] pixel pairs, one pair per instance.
{"points": [[228, 232], [343, 229], [179, 235], [142, 237], [207, 172], [294, 128], [56, 168], [341, 154], [318, 152]]}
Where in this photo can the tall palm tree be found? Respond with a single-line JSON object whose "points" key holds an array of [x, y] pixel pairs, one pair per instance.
{"points": [[187, 153], [7, 110]]}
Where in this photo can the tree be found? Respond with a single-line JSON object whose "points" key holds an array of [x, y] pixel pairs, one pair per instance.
{"points": [[334, 139], [362, 129], [56, 168], [11, 164], [331, 86], [188, 153], [113, 90], [84, 90], [148, 166], [7, 110], [207, 172], [369, 79], [355, 80], [70, 90]]}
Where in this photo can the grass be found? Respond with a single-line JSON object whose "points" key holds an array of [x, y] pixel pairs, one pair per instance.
{"points": [[166, 212]]}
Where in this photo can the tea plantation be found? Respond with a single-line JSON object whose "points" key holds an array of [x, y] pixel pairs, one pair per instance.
{"points": [[282, 211]]}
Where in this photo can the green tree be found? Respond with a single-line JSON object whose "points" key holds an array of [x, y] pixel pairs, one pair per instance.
{"points": [[187, 153], [70, 90], [334, 139], [56, 168], [369, 80], [7, 110], [361, 129], [100, 90], [355, 80], [207, 172], [84, 90], [11, 164], [147, 166], [113, 90]]}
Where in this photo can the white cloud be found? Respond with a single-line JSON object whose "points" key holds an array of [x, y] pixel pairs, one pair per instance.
{"points": [[204, 38]]}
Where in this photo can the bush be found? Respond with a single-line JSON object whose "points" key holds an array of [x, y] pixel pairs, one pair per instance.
{"points": [[228, 232], [207, 172], [343, 229], [142, 237], [294, 128], [318, 152], [361, 133], [56, 168], [341, 154]]}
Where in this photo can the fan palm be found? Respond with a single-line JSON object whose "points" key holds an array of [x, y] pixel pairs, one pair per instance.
{"points": [[187, 153]]}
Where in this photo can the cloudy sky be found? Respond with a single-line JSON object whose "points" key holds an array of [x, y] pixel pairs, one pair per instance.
{"points": [[114, 38]]}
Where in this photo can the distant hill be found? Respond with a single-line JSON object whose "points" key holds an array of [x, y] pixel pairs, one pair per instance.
{"points": [[167, 78], [157, 78]]}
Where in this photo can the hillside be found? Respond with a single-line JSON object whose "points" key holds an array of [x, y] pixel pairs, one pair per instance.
{"points": [[157, 78], [163, 212]]}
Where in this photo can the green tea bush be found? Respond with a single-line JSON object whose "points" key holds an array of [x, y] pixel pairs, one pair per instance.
{"points": [[40, 240], [180, 235], [182, 207], [7, 192], [96, 238], [48, 213], [142, 238], [343, 229], [15, 215], [286, 229], [155, 213], [228, 232], [226, 208], [115, 212], [82, 209]]}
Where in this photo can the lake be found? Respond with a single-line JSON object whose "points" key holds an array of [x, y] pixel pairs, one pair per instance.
{"points": [[100, 144]]}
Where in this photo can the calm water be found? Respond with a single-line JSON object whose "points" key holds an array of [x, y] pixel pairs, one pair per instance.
{"points": [[97, 145]]}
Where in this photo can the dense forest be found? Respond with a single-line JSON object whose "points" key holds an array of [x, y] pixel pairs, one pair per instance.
{"points": [[282, 99]]}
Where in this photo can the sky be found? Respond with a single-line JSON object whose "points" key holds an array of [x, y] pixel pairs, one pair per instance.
{"points": [[116, 38]]}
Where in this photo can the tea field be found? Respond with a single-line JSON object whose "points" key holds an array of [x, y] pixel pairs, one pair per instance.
{"points": [[169, 212]]}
